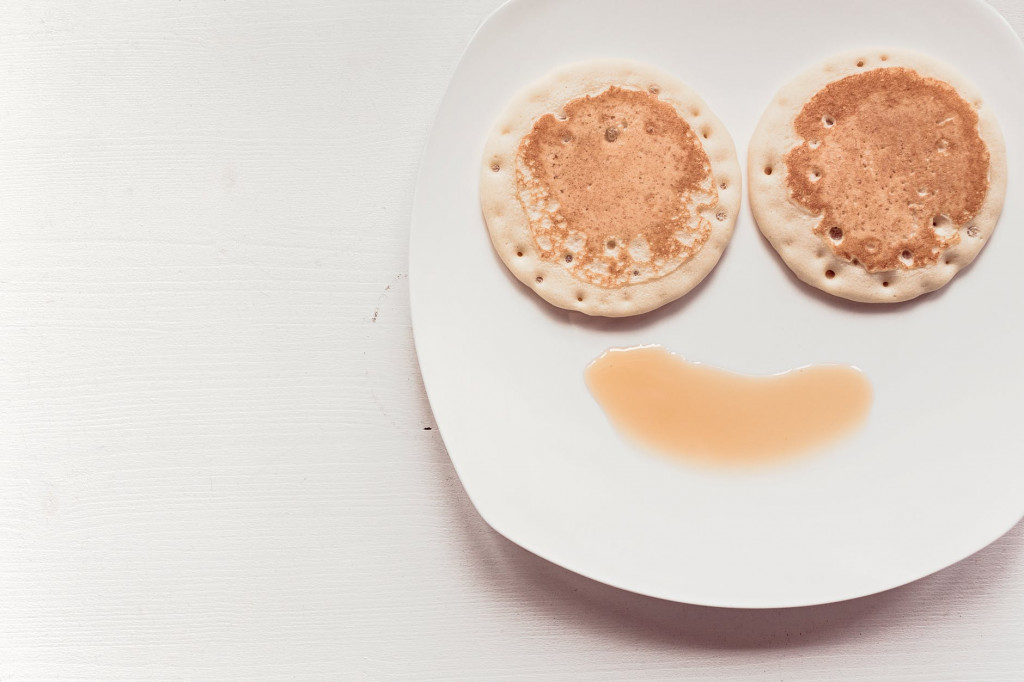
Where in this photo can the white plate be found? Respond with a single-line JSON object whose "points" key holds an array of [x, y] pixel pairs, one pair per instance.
{"points": [[934, 476]]}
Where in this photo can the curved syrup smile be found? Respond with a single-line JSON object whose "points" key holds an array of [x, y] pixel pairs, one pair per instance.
{"points": [[693, 410]]}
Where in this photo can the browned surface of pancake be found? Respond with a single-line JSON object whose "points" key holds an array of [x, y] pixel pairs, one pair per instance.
{"points": [[894, 164], [612, 190]]}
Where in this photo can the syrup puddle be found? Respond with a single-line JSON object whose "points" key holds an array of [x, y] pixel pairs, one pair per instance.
{"points": [[693, 410]]}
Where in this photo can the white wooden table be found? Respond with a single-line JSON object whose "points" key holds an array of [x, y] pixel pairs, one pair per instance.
{"points": [[216, 457]]}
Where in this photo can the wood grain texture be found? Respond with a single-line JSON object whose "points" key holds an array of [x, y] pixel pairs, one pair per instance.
{"points": [[215, 456]]}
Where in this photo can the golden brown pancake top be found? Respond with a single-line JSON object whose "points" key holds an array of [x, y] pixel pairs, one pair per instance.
{"points": [[894, 164], [613, 188]]}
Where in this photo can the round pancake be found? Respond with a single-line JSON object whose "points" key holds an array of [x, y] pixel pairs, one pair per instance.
{"points": [[877, 175], [610, 188]]}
